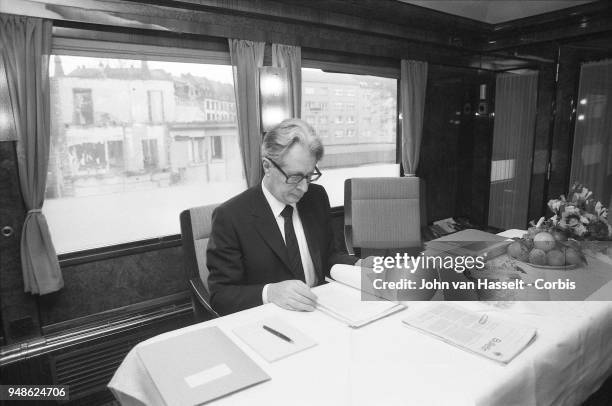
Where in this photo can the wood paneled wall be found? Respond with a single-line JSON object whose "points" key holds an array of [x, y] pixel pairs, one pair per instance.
{"points": [[456, 146]]}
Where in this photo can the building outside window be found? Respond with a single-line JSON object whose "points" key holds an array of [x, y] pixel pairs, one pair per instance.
{"points": [[352, 152], [150, 148]]}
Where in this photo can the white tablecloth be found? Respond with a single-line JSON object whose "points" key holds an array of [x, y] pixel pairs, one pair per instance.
{"points": [[386, 363]]}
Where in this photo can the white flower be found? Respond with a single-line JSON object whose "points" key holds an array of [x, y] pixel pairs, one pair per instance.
{"points": [[601, 211], [554, 205], [569, 210], [579, 229]]}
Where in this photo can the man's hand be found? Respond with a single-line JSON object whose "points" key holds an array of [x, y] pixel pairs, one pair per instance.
{"points": [[292, 295]]}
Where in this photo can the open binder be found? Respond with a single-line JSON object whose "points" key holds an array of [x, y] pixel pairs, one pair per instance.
{"points": [[343, 299]]}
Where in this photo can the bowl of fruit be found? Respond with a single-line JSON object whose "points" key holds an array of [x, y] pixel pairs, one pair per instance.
{"points": [[547, 248]]}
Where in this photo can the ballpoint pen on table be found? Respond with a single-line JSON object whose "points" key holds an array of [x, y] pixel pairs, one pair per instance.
{"points": [[277, 333]]}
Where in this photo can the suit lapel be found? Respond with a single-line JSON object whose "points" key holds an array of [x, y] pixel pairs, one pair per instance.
{"points": [[267, 227], [309, 225]]}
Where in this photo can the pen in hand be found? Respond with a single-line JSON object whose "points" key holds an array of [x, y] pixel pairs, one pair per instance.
{"points": [[277, 333]]}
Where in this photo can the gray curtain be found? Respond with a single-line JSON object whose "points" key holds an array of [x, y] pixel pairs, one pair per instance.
{"points": [[413, 83], [513, 131], [290, 57], [26, 45], [592, 153], [247, 57]]}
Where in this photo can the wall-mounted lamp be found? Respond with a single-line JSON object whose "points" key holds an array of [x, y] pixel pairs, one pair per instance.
{"points": [[483, 106], [483, 91], [274, 96]]}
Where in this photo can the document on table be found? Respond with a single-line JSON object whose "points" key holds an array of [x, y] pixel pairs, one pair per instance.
{"points": [[342, 299], [469, 242], [270, 346], [481, 333], [199, 366]]}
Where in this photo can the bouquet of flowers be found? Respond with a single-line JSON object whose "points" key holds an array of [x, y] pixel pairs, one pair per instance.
{"points": [[581, 216]]}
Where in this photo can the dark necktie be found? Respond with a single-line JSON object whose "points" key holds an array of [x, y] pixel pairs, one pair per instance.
{"points": [[293, 249]]}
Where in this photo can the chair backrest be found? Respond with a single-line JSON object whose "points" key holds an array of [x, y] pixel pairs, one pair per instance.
{"points": [[196, 224], [382, 213]]}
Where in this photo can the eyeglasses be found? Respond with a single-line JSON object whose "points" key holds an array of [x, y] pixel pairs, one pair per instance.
{"points": [[295, 179]]}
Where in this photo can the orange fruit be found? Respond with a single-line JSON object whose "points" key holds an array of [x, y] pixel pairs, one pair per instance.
{"points": [[537, 257], [572, 257], [519, 251], [544, 241], [555, 258]]}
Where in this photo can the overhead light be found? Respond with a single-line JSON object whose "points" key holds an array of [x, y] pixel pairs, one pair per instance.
{"points": [[583, 101]]}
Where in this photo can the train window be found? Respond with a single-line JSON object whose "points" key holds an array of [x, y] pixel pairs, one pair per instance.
{"points": [[357, 116], [134, 142]]}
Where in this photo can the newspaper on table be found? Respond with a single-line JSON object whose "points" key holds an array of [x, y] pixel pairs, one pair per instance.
{"points": [[484, 334]]}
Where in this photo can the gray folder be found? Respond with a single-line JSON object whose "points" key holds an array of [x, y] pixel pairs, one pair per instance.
{"points": [[198, 367]]}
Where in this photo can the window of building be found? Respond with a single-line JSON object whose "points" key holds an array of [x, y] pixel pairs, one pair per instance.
{"points": [[156, 106], [373, 93], [217, 148], [150, 155], [199, 146], [133, 165], [82, 107]]}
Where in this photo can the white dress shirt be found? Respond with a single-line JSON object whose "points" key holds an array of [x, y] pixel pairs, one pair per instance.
{"points": [[278, 206]]}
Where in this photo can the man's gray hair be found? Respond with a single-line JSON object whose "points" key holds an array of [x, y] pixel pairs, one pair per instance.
{"points": [[292, 131]]}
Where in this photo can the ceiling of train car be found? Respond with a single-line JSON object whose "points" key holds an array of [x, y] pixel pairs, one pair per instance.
{"points": [[496, 11]]}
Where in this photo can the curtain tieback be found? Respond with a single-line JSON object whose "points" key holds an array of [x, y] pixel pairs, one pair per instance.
{"points": [[34, 211]]}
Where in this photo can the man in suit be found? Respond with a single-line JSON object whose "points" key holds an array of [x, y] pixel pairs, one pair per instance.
{"points": [[274, 241]]}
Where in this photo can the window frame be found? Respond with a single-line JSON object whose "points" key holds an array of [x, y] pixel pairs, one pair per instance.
{"points": [[72, 46], [68, 41]]}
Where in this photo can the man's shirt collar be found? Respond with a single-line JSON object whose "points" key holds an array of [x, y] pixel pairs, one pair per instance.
{"points": [[276, 205]]}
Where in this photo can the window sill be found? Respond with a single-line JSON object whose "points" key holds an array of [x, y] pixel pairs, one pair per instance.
{"points": [[136, 247], [119, 250]]}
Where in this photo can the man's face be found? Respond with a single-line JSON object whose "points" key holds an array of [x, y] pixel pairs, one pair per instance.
{"points": [[297, 161]]}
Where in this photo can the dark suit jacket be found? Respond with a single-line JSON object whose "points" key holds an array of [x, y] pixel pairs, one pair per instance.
{"points": [[246, 248]]}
